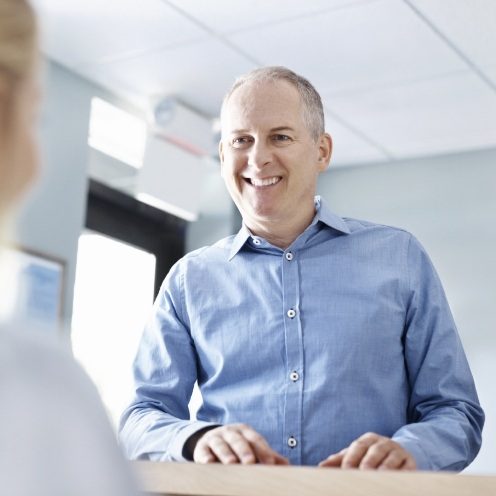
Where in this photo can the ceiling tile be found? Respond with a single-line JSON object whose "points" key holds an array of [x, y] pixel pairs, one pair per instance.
{"points": [[490, 72], [75, 33], [469, 25], [226, 16], [442, 115], [348, 148], [198, 74], [374, 43]]}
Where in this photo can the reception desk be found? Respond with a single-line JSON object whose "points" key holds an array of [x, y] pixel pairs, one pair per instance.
{"points": [[168, 479]]}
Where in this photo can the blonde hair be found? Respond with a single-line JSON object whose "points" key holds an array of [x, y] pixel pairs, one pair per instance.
{"points": [[17, 40]]}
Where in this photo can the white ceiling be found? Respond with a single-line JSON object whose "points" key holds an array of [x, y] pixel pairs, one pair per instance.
{"points": [[399, 78]]}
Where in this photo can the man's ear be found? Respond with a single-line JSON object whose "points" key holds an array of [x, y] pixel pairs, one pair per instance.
{"points": [[221, 151], [325, 151]]}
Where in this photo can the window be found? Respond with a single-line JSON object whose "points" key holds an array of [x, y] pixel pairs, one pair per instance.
{"points": [[124, 254], [117, 133], [113, 295]]}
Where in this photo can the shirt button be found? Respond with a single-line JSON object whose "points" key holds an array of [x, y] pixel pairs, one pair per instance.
{"points": [[294, 376], [291, 313], [292, 442], [256, 241], [289, 256]]}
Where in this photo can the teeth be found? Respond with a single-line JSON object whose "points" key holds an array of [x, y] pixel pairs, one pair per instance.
{"points": [[265, 182]]}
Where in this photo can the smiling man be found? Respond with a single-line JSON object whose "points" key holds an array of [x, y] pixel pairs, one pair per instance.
{"points": [[314, 339]]}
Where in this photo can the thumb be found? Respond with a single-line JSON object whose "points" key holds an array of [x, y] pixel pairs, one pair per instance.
{"points": [[334, 460]]}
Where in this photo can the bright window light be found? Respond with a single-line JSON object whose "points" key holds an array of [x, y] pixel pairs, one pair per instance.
{"points": [[113, 296], [117, 133]]}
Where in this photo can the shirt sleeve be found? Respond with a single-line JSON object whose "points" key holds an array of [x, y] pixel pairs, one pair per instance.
{"points": [[156, 425], [445, 417]]}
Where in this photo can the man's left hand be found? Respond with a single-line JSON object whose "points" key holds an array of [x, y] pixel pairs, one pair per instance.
{"points": [[372, 451]]}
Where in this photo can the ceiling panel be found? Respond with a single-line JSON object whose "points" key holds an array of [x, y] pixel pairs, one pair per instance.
{"points": [[75, 33], [199, 74], [444, 115], [349, 148], [470, 25], [361, 46], [490, 72], [226, 16]]}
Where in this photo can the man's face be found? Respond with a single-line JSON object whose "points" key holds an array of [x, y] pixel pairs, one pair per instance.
{"points": [[269, 160]]}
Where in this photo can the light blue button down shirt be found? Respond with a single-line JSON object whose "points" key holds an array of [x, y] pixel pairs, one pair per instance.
{"points": [[346, 331]]}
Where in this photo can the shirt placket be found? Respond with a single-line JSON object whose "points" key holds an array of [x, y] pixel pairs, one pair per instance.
{"points": [[292, 428]]}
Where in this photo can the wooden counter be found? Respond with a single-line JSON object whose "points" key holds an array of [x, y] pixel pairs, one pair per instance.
{"points": [[258, 480]]}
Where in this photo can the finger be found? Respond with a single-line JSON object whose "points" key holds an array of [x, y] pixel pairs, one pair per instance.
{"points": [[267, 456], [357, 450], [263, 452], [240, 446], [410, 464], [334, 460], [270, 457], [281, 460], [377, 453], [203, 454], [222, 450], [395, 460]]}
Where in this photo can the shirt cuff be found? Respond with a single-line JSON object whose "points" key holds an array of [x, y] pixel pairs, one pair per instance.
{"points": [[413, 447], [177, 446]]}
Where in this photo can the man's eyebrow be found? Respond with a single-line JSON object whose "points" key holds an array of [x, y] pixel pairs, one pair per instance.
{"points": [[282, 128], [273, 130]]}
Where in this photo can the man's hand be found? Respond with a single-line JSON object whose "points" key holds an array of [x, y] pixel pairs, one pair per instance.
{"points": [[372, 451], [235, 443]]}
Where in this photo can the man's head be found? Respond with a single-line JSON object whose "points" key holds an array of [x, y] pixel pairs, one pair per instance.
{"points": [[273, 148], [312, 108]]}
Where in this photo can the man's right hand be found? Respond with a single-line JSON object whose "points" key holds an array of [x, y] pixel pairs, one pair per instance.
{"points": [[235, 443]]}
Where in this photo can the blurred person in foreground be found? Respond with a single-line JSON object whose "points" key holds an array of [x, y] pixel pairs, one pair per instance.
{"points": [[55, 437], [315, 339]]}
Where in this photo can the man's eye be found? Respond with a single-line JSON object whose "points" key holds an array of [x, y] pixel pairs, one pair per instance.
{"points": [[281, 137], [240, 141]]}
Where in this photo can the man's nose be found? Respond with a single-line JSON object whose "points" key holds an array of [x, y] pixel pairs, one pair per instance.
{"points": [[259, 155]]}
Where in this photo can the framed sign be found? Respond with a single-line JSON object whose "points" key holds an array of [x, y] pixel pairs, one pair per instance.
{"points": [[37, 283]]}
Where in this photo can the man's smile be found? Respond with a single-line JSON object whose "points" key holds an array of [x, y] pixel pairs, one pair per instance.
{"points": [[263, 183]]}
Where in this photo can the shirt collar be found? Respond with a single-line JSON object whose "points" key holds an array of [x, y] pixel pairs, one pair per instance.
{"points": [[323, 214], [239, 240], [330, 219]]}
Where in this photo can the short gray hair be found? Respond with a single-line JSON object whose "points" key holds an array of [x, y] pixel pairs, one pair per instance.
{"points": [[313, 110]]}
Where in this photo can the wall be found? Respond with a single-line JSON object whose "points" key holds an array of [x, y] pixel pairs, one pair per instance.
{"points": [[216, 212], [449, 203]]}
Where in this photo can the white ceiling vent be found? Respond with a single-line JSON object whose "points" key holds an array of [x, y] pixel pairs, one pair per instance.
{"points": [[181, 126]]}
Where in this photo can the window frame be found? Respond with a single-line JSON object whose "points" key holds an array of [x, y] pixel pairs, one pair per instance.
{"points": [[118, 215]]}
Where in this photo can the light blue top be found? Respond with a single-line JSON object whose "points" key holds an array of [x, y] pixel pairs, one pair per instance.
{"points": [[347, 331]]}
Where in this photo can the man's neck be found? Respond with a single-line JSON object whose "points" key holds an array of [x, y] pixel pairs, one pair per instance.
{"points": [[281, 233]]}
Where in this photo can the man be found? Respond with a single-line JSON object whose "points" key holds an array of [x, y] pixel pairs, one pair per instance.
{"points": [[314, 339]]}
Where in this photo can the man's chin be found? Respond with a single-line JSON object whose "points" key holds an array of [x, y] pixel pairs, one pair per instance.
{"points": [[262, 215]]}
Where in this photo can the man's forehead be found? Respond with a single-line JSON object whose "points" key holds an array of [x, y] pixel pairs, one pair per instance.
{"points": [[259, 90], [275, 103]]}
